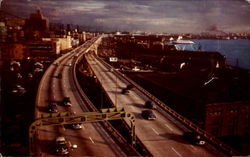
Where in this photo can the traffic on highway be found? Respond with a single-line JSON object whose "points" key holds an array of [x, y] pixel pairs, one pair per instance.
{"points": [[159, 132], [57, 93]]}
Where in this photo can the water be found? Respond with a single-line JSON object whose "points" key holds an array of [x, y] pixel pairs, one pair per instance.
{"points": [[236, 51]]}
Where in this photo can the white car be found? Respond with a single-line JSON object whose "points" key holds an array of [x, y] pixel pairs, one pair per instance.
{"points": [[77, 126], [62, 147], [66, 101]]}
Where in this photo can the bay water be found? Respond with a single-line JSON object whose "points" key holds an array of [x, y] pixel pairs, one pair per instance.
{"points": [[237, 52]]}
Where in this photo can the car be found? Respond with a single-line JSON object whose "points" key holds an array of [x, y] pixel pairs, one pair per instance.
{"points": [[38, 70], [19, 76], [125, 91], [194, 138], [150, 105], [130, 86], [76, 126], [70, 64], [59, 76], [61, 146], [52, 108], [18, 90], [111, 70], [148, 114], [66, 101]]}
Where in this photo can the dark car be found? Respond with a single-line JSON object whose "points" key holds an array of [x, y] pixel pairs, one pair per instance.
{"points": [[148, 114], [130, 86], [150, 104], [59, 76], [66, 101], [194, 138], [125, 91], [52, 108]]}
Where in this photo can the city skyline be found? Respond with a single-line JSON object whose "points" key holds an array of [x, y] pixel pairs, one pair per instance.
{"points": [[171, 16]]}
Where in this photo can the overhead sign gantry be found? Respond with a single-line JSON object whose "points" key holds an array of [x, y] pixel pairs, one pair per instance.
{"points": [[63, 118]]}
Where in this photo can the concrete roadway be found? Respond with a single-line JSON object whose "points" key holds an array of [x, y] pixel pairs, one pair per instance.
{"points": [[91, 140], [163, 136]]}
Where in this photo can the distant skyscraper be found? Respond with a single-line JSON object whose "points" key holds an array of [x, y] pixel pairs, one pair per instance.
{"points": [[37, 22], [36, 26], [68, 28], [77, 28]]}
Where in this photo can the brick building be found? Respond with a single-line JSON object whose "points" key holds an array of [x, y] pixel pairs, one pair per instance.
{"points": [[228, 119]]}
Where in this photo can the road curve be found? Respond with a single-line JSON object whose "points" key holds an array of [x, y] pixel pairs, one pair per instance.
{"points": [[92, 139]]}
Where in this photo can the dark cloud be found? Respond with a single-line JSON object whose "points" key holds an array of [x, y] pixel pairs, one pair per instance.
{"points": [[142, 15]]}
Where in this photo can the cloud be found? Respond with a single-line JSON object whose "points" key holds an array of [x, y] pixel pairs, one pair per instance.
{"points": [[144, 15]]}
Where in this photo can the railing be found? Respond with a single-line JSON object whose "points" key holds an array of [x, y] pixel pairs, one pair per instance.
{"points": [[122, 142], [211, 139], [126, 125]]}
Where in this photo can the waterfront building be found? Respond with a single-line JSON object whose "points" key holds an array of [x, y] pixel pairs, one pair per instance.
{"points": [[13, 51], [64, 43], [43, 49]]}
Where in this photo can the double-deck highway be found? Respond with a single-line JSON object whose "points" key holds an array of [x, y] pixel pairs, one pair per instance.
{"points": [[162, 136], [92, 139]]}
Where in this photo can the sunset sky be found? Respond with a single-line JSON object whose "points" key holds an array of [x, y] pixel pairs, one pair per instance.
{"points": [[173, 16]]}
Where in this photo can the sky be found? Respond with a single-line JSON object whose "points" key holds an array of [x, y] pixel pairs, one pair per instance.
{"points": [[156, 16]]}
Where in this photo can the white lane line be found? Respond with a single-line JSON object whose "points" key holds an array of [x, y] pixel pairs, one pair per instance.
{"points": [[63, 128], [132, 107], [176, 152], [91, 140], [155, 131], [168, 127], [193, 147]]}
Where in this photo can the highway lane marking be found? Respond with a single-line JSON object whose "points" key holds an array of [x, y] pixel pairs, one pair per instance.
{"points": [[63, 128], [91, 140], [168, 127], [155, 131], [193, 147], [131, 106], [176, 152]]}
